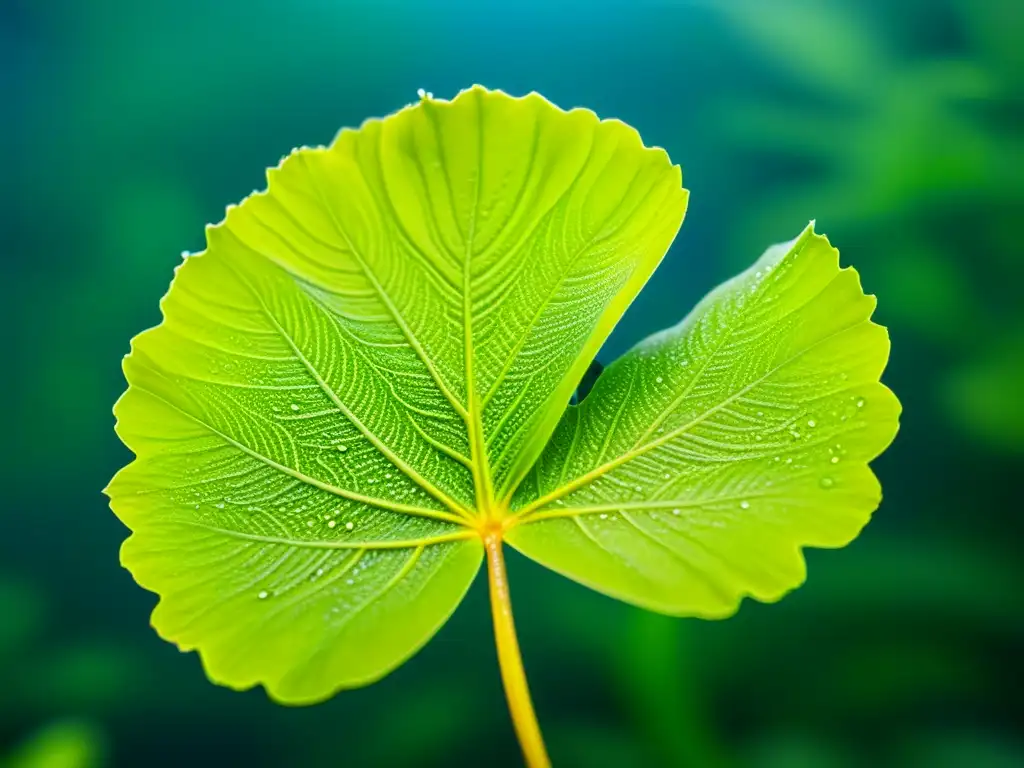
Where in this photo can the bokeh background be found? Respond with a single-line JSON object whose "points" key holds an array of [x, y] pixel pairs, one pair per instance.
{"points": [[126, 126]]}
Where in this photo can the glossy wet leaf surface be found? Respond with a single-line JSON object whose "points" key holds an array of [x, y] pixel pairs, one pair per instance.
{"points": [[706, 456], [363, 372]]}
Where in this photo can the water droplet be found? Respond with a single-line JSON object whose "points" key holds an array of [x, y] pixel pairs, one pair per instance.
{"points": [[263, 595], [744, 505], [387, 475], [295, 406], [835, 459], [758, 438], [349, 526], [860, 402], [421, 93], [760, 413], [319, 571], [349, 581], [603, 516], [309, 523], [811, 423], [219, 505], [332, 523], [827, 482], [668, 475], [676, 512], [342, 448], [659, 380]]}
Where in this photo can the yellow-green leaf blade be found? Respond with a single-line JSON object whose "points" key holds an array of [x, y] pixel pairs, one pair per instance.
{"points": [[366, 356], [284, 545], [706, 457], [302, 618]]}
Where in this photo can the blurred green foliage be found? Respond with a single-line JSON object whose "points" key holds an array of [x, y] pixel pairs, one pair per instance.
{"points": [[127, 126], [921, 153], [62, 744]]}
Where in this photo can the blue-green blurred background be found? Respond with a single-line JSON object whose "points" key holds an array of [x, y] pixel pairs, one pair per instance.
{"points": [[126, 125]]}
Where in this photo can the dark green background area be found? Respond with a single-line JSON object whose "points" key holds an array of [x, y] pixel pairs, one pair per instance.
{"points": [[127, 125]]}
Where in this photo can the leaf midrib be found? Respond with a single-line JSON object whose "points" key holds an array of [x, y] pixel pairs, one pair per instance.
{"points": [[474, 423]]}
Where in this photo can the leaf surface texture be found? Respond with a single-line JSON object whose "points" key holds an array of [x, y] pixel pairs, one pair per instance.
{"points": [[706, 457], [363, 365]]}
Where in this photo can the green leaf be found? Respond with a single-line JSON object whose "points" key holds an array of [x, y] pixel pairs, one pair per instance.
{"points": [[357, 373], [364, 380], [709, 454]]}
